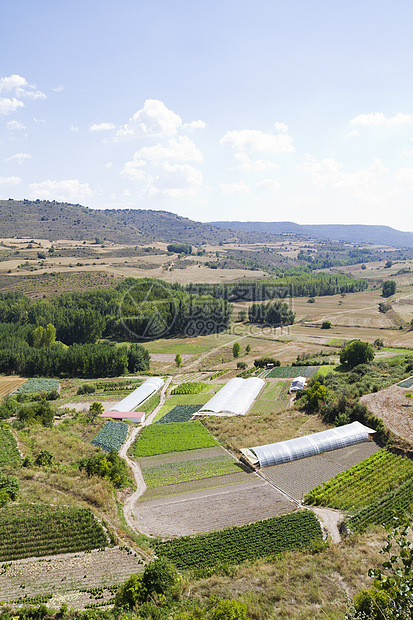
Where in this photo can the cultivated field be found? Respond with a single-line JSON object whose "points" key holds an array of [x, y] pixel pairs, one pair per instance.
{"points": [[396, 411], [9, 384], [211, 509]]}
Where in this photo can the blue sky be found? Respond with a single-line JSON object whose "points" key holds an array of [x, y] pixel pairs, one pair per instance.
{"points": [[262, 110]]}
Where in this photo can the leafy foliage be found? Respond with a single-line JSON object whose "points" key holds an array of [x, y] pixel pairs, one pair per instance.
{"points": [[236, 544], [191, 387], [261, 362], [173, 437], [109, 466], [388, 288], [356, 352], [37, 413], [180, 413], [111, 436], [9, 454], [9, 490], [38, 530], [276, 313]]}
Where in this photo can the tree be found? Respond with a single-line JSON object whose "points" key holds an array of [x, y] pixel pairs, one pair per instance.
{"points": [[44, 458], [44, 336], [388, 288], [95, 410], [236, 349], [326, 325], [178, 360], [355, 353], [9, 488], [242, 365], [248, 348], [242, 315], [261, 362], [160, 577]]}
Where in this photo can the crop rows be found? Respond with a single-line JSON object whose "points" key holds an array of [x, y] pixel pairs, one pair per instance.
{"points": [[406, 383], [290, 372], [38, 385], [363, 483], [38, 530], [185, 471], [382, 511], [9, 454], [180, 413], [234, 545], [191, 387], [173, 437], [111, 436]]}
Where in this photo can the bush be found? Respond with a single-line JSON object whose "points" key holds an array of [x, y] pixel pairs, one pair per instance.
{"points": [[388, 288], [242, 365], [86, 388], [357, 352], [326, 325], [261, 362]]}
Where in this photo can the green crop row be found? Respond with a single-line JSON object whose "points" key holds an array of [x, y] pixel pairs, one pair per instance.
{"points": [[363, 483], [382, 512], [184, 471], [406, 383], [173, 437], [111, 436], [290, 372], [236, 544], [39, 530], [9, 454], [180, 413], [35, 385], [191, 387]]}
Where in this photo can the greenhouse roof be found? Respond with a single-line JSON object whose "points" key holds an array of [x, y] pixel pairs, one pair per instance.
{"points": [[235, 398], [309, 445], [135, 398]]}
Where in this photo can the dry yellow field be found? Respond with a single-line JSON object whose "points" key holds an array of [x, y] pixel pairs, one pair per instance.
{"points": [[9, 384]]}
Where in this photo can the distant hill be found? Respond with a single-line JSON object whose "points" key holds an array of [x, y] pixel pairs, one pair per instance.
{"points": [[61, 220], [351, 233]]}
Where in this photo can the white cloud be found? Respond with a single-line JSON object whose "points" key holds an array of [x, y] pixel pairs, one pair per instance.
{"points": [[109, 165], [182, 149], [154, 119], [234, 188], [19, 157], [194, 125], [353, 132], [7, 105], [70, 190], [281, 127], [404, 175], [330, 173], [74, 128], [268, 185], [375, 119], [58, 89], [9, 181], [102, 126], [15, 125], [174, 181], [256, 140], [247, 165], [133, 169], [20, 87]]}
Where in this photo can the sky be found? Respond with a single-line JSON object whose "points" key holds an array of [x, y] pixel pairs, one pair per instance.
{"points": [[218, 110]]}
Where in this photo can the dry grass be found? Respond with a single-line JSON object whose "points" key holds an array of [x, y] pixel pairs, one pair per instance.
{"points": [[300, 585]]}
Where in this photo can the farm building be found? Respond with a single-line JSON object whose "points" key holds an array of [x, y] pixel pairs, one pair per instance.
{"points": [[309, 445], [235, 398], [138, 396], [133, 416], [297, 384]]}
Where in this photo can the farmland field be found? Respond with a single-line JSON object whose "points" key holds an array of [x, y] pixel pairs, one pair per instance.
{"points": [[235, 545], [167, 471], [289, 372], [407, 383], [9, 454], [301, 476], [111, 436], [273, 397], [34, 385], [38, 530], [180, 413], [211, 508], [182, 399], [363, 483], [173, 437], [9, 384], [384, 509], [392, 406]]}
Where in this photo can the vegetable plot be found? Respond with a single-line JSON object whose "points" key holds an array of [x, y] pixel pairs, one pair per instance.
{"points": [[190, 388], [364, 483], [236, 544], [289, 372], [9, 454], [111, 436], [180, 413], [382, 511], [38, 530], [184, 471], [38, 385], [173, 437]]}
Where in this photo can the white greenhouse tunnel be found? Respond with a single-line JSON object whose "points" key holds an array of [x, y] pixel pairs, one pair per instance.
{"points": [[138, 396], [235, 398]]}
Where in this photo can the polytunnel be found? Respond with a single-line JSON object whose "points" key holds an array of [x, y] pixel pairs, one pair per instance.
{"points": [[235, 398], [135, 398], [309, 445]]}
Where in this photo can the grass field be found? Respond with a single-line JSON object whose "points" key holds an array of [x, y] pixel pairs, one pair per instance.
{"points": [[174, 437]]}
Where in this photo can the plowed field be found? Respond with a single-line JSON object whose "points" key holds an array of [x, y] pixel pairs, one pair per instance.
{"points": [[9, 384]]}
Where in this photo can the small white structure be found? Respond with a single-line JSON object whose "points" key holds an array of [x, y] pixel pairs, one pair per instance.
{"points": [[138, 396], [235, 398], [138, 417], [309, 445], [298, 384]]}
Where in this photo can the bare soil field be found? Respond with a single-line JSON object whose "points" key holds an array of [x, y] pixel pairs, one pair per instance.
{"points": [[299, 477], [396, 411], [211, 509], [9, 384], [182, 488], [65, 575]]}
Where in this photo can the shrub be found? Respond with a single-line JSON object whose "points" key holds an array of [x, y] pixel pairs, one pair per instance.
{"points": [[388, 288], [261, 362], [357, 352], [326, 325]]}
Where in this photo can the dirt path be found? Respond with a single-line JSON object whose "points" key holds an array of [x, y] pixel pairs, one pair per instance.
{"points": [[330, 520], [140, 483]]}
